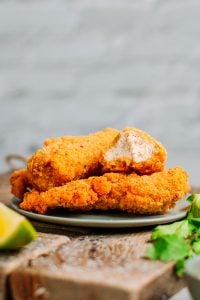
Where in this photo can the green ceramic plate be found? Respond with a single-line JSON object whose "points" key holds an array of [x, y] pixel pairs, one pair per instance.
{"points": [[109, 219]]}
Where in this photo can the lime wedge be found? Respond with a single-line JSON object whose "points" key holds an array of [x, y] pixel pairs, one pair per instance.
{"points": [[15, 230]]}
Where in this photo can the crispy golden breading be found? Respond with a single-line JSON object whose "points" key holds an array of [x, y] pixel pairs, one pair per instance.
{"points": [[147, 194], [134, 150], [69, 158], [60, 173], [20, 180], [63, 139]]}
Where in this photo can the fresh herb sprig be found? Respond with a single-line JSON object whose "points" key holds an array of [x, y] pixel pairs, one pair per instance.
{"points": [[178, 241]]}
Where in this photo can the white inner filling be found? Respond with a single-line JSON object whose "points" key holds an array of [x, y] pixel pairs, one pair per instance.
{"points": [[132, 146]]}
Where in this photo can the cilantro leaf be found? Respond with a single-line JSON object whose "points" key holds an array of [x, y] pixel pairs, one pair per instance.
{"points": [[190, 198], [181, 228], [195, 207], [178, 241], [180, 267], [195, 222], [196, 245], [152, 252], [171, 247]]}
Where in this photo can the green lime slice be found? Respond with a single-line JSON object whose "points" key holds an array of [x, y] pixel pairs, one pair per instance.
{"points": [[15, 230]]}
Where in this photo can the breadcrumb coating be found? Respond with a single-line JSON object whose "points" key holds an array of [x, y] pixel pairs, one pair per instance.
{"points": [[20, 180], [147, 194], [65, 159]]}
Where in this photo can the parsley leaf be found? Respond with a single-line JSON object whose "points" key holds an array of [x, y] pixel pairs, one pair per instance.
{"points": [[180, 267]]}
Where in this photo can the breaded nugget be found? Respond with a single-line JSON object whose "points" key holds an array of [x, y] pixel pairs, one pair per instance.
{"points": [[69, 158], [134, 150], [147, 194]]}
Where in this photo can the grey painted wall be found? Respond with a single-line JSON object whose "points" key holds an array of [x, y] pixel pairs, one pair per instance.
{"points": [[73, 67]]}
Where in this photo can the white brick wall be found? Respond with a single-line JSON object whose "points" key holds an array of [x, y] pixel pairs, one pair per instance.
{"points": [[71, 67]]}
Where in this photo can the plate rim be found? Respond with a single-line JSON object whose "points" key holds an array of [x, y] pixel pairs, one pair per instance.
{"points": [[160, 219]]}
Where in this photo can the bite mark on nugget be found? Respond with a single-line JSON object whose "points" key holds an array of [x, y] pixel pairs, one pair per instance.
{"points": [[131, 145]]}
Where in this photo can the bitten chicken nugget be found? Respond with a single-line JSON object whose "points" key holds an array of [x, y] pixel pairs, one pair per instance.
{"points": [[147, 194], [64, 159], [134, 150]]}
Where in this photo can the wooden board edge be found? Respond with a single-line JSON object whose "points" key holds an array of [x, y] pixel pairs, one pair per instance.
{"points": [[28, 283]]}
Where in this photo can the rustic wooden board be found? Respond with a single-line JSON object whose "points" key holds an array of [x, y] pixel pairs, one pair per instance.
{"points": [[94, 264], [96, 267]]}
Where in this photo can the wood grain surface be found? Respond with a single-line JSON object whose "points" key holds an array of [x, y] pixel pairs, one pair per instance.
{"points": [[84, 263], [100, 266]]}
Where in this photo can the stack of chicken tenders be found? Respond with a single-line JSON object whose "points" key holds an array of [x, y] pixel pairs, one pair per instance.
{"points": [[110, 169]]}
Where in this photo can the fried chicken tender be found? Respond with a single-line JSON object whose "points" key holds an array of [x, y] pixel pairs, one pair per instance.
{"points": [[147, 194], [65, 159], [134, 150]]}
